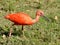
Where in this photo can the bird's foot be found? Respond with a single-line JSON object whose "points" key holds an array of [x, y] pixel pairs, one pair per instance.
{"points": [[9, 34]]}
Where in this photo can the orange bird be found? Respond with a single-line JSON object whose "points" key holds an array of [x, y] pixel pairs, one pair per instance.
{"points": [[22, 18]]}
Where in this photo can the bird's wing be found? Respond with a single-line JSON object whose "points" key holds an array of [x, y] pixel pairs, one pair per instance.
{"points": [[21, 18]]}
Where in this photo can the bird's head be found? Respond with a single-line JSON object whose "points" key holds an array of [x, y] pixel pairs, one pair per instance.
{"points": [[41, 13]]}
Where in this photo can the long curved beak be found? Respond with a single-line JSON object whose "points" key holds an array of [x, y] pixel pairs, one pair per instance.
{"points": [[46, 18]]}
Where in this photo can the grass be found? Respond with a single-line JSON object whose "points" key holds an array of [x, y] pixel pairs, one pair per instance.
{"points": [[41, 33]]}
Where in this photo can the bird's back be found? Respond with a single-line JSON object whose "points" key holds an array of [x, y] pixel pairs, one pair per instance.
{"points": [[21, 18]]}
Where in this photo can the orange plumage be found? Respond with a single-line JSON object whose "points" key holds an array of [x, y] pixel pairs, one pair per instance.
{"points": [[20, 18], [23, 18]]}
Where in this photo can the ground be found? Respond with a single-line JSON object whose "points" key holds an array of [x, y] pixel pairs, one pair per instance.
{"points": [[41, 33]]}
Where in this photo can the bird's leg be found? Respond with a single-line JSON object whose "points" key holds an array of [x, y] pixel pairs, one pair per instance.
{"points": [[22, 27], [11, 30], [23, 32]]}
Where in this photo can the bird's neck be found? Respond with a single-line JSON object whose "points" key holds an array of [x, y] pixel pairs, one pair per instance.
{"points": [[36, 19]]}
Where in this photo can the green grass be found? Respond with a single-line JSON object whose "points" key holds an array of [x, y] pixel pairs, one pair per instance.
{"points": [[41, 33]]}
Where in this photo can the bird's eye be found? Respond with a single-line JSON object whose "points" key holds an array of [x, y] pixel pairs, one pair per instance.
{"points": [[41, 13]]}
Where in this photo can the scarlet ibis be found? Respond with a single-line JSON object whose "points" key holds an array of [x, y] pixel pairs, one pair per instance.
{"points": [[22, 18]]}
